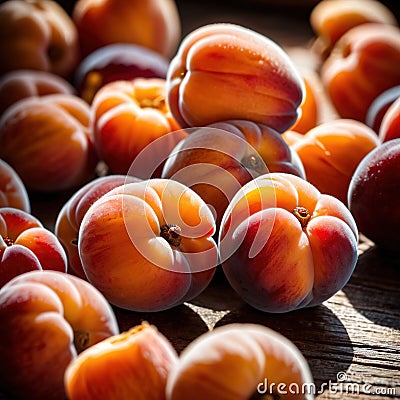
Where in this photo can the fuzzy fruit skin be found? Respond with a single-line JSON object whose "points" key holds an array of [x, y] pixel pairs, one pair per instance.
{"points": [[390, 127], [373, 195], [19, 84], [216, 160], [154, 24], [225, 71], [362, 65], [127, 256], [53, 131], [275, 260], [114, 62], [126, 117], [38, 35], [132, 365], [331, 19], [12, 190], [235, 361], [25, 245], [331, 152], [47, 317], [71, 214]]}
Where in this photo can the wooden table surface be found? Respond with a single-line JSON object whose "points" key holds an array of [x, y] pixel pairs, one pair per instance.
{"points": [[355, 335]]}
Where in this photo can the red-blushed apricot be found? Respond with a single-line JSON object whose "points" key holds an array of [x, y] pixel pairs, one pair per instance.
{"points": [[374, 193], [71, 214], [132, 365], [362, 65], [216, 160], [19, 84], [147, 246], [47, 317], [12, 190], [239, 362], [225, 71], [25, 245], [39, 35], [331, 151], [48, 142], [390, 127], [126, 116], [150, 23], [114, 62], [379, 106], [331, 19], [284, 245]]}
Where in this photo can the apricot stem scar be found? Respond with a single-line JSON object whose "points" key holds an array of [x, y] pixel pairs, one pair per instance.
{"points": [[172, 234], [302, 214], [7, 241], [81, 340]]}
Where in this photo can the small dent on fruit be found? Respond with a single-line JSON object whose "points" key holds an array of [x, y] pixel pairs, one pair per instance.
{"points": [[74, 241], [172, 234], [302, 214], [81, 340]]}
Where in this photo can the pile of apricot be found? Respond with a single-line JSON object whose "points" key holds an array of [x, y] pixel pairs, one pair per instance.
{"points": [[184, 155]]}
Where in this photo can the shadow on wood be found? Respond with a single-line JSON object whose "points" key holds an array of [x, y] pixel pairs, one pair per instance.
{"points": [[374, 290]]}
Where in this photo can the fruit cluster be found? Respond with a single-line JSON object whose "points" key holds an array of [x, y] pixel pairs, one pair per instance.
{"points": [[184, 155]]}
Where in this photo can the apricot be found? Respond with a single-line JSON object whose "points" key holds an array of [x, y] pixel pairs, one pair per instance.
{"points": [[373, 195], [19, 84], [12, 190], [25, 245], [310, 109], [331, 152], [47, 317], [126, 116], [147, 246], [390, 127], [284, 245], [363, 64], [331, 19], [39, 35], [225, 71], [216, 160], [150, 23], [48, 142], [132, 365], [239, 362], [379, 106], [71, 214]]}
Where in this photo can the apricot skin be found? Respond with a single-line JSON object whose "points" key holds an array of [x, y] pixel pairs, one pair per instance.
{"points": [[373, 195], [225, 71], [53, 131], [331, 151], [132, 365], [47, 317], [233, 362], [12, 190], [362, 65], [276, 260]]}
